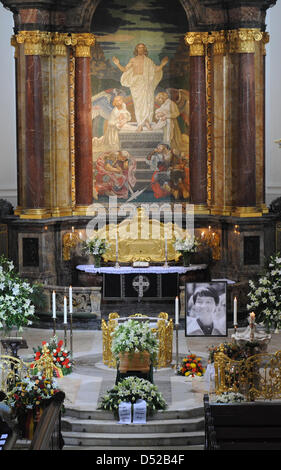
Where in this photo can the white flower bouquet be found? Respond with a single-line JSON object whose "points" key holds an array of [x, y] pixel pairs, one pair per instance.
{"points": [[265, 295], [229, 397], [134, 336], [187, 245], [96, 246], [16, 307], [132, 389]]}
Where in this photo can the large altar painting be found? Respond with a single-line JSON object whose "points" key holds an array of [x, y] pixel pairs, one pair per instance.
{"points": [[140, 101]]}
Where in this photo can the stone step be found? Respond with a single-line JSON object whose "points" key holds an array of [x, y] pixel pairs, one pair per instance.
{"points": [[161, 440], [155, 426], [82, 413]]}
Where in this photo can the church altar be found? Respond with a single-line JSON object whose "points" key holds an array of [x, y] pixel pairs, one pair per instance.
{"points": [[149, 282], [89, 268]]}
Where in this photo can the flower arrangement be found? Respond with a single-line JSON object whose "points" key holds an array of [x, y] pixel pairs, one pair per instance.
{"points": [[61, 356], [191, 366], [96, 246], [132, 389], [187, 245], [265, 295], [228, 397], [16, 308], [134, 336], [30, 393]]}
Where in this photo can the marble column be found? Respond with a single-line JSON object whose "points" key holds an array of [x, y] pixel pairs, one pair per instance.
{"points": [[198, 122], [83, 124], [32, 46], [242, 43]]}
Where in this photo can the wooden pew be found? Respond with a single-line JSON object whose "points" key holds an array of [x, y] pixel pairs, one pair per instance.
{"points": [[242, 426]]}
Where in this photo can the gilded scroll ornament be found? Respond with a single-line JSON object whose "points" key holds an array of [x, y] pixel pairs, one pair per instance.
{"points": [[219, 42], [83, 43], [35, 42], [243, 40], [265, 40], [197, 42]]}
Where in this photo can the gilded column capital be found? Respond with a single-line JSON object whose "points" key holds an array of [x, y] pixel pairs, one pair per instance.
{"points": [[243, 40], [82, 43], [265, 40], [60, 41], [219, 40], [35, 42], [197, 42]]}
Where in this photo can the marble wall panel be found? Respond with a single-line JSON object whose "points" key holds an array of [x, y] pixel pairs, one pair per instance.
{"points": [[61, 157]]}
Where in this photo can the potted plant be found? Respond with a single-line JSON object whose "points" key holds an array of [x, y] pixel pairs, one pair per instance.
{"points": [[130, 390], [16, 308], [96, 247], [186, 247], [134, 346]]}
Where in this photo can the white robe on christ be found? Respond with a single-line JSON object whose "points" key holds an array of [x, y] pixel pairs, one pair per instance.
{"points": [[142, 89]]}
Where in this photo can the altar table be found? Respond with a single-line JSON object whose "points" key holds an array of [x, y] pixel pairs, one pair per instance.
{"points": [[148, 282]]}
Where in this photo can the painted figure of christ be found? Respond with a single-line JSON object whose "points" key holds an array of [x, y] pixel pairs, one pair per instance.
{"points": [[142, 76]]}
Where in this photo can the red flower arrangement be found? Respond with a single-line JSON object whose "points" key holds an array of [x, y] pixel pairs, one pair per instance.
{"points": [[191, 366], [61, 357]]}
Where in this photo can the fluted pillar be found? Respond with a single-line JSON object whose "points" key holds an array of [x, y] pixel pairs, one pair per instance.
{"points": [[83, 123], [198, 122]]}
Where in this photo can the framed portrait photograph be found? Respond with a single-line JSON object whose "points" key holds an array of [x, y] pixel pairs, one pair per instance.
{"points": [[205, 309]]}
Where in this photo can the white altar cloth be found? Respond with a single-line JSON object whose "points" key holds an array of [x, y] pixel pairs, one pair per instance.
{"points": [[89, 268]]}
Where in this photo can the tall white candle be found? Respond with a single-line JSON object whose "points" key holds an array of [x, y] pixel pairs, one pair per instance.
{"points": [[252, 317], [54, 304], [166, 248], [64, 309], [235, 311], [70, 300], [177, 310]]}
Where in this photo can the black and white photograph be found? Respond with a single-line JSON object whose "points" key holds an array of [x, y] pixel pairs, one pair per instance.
{"points": [[206, 309]]}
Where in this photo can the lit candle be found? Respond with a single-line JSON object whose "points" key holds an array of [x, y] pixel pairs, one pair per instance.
{"points": [[177, 310], [65, 310], [235, 311], [252, 317], [54, 304], [70, 300]]}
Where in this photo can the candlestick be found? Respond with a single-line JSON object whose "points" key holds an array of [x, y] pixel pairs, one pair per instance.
{"points": [[54, 304], [70, 300], [65, 310], [235, 312], [177, 310]]}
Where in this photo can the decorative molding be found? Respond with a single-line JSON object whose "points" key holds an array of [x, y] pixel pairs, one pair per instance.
{"points": [[243, 40], [82, 44], [197, 42]]}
